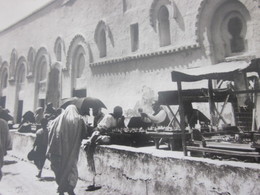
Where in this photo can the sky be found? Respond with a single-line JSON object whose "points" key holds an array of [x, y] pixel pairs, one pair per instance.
{"points": [[12, 11]]}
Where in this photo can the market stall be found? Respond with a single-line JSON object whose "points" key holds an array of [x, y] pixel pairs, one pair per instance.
{"points": [[172, 134], [241, 93]]}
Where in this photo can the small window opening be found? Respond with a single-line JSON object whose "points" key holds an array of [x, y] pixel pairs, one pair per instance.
{"points": [[102, 44], [134, 30], [124, 6]]}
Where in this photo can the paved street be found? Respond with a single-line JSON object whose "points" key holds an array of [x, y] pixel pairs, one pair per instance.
{"points": [[19, 178]]}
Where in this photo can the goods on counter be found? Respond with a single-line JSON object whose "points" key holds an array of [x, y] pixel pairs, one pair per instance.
{"points": [[129, 136]]}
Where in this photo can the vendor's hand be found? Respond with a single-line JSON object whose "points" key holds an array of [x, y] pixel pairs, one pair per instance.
{"points": [[143, 114], [87, 142]]}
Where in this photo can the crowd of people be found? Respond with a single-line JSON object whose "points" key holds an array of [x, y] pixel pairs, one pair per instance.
{"points": [[59, 135]]}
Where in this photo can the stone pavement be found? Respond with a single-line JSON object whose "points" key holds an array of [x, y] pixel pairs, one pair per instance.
{"points": [[19, 178]]}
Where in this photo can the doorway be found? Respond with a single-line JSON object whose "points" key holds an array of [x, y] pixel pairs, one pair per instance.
{"points": [[42, 103], [2, 101], [19, 111], [79, 93]]}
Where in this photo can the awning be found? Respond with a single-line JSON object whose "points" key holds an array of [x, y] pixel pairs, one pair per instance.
{"points": [[195, 95], [224, 71]]}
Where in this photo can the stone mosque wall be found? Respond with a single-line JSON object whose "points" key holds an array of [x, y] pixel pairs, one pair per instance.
{"points": [[120, 51]]}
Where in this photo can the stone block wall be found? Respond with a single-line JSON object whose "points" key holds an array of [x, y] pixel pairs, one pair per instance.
{"points": [[146, 170]]}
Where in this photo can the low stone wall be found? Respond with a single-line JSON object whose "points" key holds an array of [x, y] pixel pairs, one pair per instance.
{"points": [[143, 171]]}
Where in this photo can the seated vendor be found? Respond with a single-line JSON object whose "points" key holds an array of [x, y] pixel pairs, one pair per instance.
{"points": [[27, 120], [110, 121], [193, 116], [158, 118]]}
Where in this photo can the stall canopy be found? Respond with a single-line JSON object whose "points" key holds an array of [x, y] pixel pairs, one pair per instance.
{"points": [[223, 71], [195, 95]]}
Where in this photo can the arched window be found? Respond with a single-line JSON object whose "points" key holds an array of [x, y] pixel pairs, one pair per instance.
{"points": [[233, 32], [42, 66], [21, 75], [13, 62], [164, 26], [4, 78], [101, 39], [235, 27], [30, 61], [59, 49], [58, 54], [80, 65], [229, 30], [43, 71], [78, 62]]}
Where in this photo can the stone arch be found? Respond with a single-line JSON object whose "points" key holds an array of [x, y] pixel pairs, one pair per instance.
{"points": [[59, 49], [77, 41], [30, 61], [42, 67], [212, 27], [226, 40], [155, 7], [198, 20], [78, 62], [13, 61]]}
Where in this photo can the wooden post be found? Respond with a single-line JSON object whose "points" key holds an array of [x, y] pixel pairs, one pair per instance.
{"points": [[182, 118], [211, 103]]}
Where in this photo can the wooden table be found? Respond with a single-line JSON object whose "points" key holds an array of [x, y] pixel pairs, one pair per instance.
{"points": [[173, 138]]}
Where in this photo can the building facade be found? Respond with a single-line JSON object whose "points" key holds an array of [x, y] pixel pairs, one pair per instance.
{"points": [[121, 51]]}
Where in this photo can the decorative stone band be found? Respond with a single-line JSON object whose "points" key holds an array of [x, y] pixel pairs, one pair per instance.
{"points": [[145, 55]]}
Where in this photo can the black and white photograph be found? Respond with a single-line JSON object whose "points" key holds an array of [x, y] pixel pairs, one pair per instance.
{"points": [[130, 97]]}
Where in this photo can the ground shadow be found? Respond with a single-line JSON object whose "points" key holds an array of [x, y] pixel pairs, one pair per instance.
{"points": [[9, 162], [93, 188], [47, 179], [10, 173]]}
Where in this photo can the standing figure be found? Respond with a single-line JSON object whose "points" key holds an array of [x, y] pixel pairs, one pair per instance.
{"points": [[50, 111], [108, 122], [98, 116], [40, 144], [38, 114], [4, 142], [65, 136]]}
